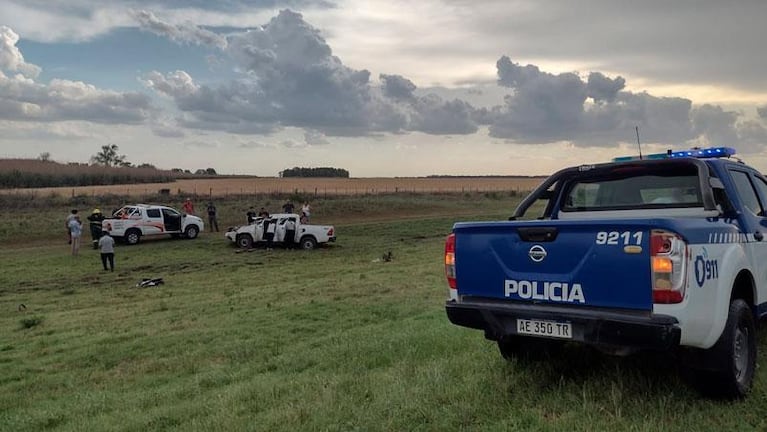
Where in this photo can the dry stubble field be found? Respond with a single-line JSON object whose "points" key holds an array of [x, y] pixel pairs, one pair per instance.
{"points": [[318, 186]]}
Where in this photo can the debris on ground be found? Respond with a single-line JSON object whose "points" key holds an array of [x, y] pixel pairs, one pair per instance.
{"points": [[150, 282]]}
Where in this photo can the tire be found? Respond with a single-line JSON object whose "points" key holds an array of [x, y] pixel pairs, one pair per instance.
{"points": [[527, 348], [733, 357], [191, 231], [244, 241], [132, 237], [308, 243]]}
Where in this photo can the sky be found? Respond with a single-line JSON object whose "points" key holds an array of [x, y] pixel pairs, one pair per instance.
{"points": [[381, 88]]}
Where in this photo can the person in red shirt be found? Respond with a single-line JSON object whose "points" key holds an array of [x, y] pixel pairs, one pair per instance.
{"points": [[188, 207]]}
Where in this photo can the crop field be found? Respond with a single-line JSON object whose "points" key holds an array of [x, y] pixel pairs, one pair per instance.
{"points": [[334, 339], [312, 186]]}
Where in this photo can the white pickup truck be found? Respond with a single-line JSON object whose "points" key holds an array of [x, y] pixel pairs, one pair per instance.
{"points": [[135, 221], [306, 236]]}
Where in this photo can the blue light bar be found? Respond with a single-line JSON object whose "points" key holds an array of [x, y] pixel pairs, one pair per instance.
{"points": [[706, 153]]}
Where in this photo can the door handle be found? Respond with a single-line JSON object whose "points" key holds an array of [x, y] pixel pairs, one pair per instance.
{"points": [[758, 236]]}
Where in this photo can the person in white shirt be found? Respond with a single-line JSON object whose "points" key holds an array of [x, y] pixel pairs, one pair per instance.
{"points": [[75, 232], [107, 249]]}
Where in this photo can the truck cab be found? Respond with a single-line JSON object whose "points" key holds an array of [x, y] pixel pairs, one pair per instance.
{"points": [[663, 252]]}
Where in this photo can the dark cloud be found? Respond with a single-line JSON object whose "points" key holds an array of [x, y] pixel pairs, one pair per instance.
{"points": [[397, 87], [290, 77], [544, 107]]}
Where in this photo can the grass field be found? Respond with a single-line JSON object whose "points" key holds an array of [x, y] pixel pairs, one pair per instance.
{"points": [[331, 339]]}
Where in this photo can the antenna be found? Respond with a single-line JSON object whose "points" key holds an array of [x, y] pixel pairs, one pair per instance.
{"points": [[638, 144]]}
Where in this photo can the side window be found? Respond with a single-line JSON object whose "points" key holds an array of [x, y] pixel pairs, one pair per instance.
{"points": [[761, 186], [746, 192], [153, 213]]}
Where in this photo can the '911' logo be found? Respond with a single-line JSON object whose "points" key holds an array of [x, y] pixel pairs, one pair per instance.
{"points": [[705, 269]]}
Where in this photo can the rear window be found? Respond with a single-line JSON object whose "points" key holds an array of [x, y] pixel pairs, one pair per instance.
{"points": [[632, 187]]}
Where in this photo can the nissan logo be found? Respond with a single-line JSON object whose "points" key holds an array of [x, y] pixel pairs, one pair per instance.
{"points": [[537, 253]]}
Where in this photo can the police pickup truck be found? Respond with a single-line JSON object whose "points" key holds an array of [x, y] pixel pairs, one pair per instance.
{"points": [[132, 222], [665, 252]]}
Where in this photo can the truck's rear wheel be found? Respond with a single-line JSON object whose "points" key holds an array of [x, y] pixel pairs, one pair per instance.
{"points": [[308, 243], [244, 241], [132, 237], [733, 357]]}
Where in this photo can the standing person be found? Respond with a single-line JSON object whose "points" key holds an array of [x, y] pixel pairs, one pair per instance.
{"points": [[290, 233], [251, 215], [188, 207], [306, 210], [95, 225], [72, 214], [75, 231], [270, 227], [107, 248], [263, 213], [288, 207], [212, 220]]}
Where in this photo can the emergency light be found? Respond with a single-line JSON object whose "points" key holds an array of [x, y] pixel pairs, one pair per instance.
{"points": [[706, 153]]}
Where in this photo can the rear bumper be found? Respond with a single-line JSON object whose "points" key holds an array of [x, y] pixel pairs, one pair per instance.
{"points": [[592, 326]]}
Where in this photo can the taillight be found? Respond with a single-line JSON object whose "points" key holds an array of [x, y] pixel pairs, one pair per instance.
{"points": [[450, 261], [330, 232], [668, 260]]}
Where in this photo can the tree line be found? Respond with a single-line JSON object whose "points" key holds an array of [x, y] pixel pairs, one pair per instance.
{"points": [[315, 172]]}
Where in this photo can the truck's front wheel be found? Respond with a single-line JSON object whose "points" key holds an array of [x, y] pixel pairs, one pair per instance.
{"points": [[191, 231], [244, 241], [733, 356]]}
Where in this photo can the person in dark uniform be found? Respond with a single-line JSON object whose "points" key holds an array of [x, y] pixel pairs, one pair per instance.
{"points": [[212, 220], [251, 214], [95, 225]]}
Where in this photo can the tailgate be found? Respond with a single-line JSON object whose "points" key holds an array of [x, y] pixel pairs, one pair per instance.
{"points": [[588, 263]]}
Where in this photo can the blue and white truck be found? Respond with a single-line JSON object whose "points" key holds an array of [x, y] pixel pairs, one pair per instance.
{"points": [[665, 252]]}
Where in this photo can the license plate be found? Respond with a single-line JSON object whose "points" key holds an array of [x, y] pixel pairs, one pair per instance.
{"points": [[562, 330]]}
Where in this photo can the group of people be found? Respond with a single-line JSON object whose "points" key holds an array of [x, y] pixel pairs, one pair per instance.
{"points": [[288, 207], [188, 208], [101, 239]]}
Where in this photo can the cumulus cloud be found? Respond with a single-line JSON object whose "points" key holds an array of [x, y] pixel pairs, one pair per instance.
{"points": [[290, 77], [184, 33], [11, 58], [545, 107]]}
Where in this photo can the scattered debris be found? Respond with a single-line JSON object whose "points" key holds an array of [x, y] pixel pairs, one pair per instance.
{"points": [[22, 307], [387, 257], [150, 282]]}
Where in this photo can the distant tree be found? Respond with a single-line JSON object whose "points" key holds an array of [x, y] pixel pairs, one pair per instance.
{"points": [[147, 165], [315, 172], [109, 156], [126, 164], [186, 171], [45, 157], [210, 171], [200, 172], [177, 170]]}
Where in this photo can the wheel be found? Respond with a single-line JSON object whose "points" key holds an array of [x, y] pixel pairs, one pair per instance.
{"points": [[527, 348], [308, 243], [733, 357], [191, 231], [132, 236], [244, 241]]}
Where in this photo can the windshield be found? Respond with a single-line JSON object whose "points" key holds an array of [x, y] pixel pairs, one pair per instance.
{"points": [[634, 188]]}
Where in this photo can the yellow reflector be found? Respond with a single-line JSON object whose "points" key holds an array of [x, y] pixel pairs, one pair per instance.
{"points": [[632, 249], [662, 265]]}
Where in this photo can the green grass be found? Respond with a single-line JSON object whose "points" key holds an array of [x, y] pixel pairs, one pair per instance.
{"points": [[331, 339]]}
